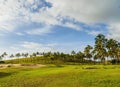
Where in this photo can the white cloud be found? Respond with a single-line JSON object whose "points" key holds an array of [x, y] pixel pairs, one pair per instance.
{"points": [[114, 31], [87, 11], [40, 31], [15, 13], [29, 47], [90, 12], [19, 33], [34, 46], [73, 26], [94, 33]]}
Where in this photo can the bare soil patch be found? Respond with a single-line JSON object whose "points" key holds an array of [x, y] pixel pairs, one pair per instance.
{"points": [[21, 65]]}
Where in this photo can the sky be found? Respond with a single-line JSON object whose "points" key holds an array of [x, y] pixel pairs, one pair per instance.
{"points": [[56, 25]]}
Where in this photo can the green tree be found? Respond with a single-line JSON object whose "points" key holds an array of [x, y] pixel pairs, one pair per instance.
{"points": [[87, 52], [73, 54], [118, 52], [111, 47], [11, 56], [26, 55], [80, 57], [34, 54], [0, 58], [100, 47], [18, 55]]}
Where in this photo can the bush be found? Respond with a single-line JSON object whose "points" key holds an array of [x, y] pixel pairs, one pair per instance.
{"points": [[91, 67], [1, 62]]}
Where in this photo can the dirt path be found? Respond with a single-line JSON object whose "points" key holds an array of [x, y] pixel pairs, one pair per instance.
{"points": [[21, 65]]}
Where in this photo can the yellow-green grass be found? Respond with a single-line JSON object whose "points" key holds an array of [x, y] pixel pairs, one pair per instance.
{"points": [[64, 76]]}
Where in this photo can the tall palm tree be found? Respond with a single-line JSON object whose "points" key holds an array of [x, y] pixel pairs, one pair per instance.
{"points": [[100, 47], [117, 52], [112, 48]]}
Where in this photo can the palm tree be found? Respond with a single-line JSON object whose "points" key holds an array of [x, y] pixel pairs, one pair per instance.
{"points": [[11, 56], [5, 54], [0, 58], [80, 56], [95, 57], [118, 51], [18, 55], [34, 54], [111, 47], [73, 53], [37, 53], [26, 55], [87, 52], [99, 49]]}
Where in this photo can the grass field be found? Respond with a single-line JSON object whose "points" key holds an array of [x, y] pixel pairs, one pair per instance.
{"points": [[63, 76]]}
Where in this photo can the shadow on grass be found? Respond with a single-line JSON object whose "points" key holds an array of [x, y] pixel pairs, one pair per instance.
{"points": [[3, 74]]}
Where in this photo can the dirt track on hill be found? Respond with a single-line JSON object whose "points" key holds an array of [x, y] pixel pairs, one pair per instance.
{"points": [[21, 65]]}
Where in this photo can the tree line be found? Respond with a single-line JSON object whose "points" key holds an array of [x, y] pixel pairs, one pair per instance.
{"points": [[104, 51]]}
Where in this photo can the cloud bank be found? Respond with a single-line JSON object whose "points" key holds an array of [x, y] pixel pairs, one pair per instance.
{"points": [[90, 16]]}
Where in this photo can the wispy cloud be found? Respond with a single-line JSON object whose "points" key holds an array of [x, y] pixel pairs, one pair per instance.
{"points": [[40, 31], [30, 47], [19, 33]]}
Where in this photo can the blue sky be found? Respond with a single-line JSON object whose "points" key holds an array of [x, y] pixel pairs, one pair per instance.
{"points": [[56, 25]]}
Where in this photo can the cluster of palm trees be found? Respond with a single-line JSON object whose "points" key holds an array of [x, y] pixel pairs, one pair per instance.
{"points": [[3, 55], [104, 50], [19, 55]]}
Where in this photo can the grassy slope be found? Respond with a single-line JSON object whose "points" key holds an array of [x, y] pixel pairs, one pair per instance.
{"points": [[66, 76]]}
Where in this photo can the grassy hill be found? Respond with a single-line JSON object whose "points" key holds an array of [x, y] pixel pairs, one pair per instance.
{"points": [[38, 60]]}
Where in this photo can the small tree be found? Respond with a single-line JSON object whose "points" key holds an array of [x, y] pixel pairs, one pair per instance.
{"points": [[87, 52]]}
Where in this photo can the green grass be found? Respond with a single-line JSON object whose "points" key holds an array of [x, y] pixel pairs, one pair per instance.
{"points": [[64, 76]]}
